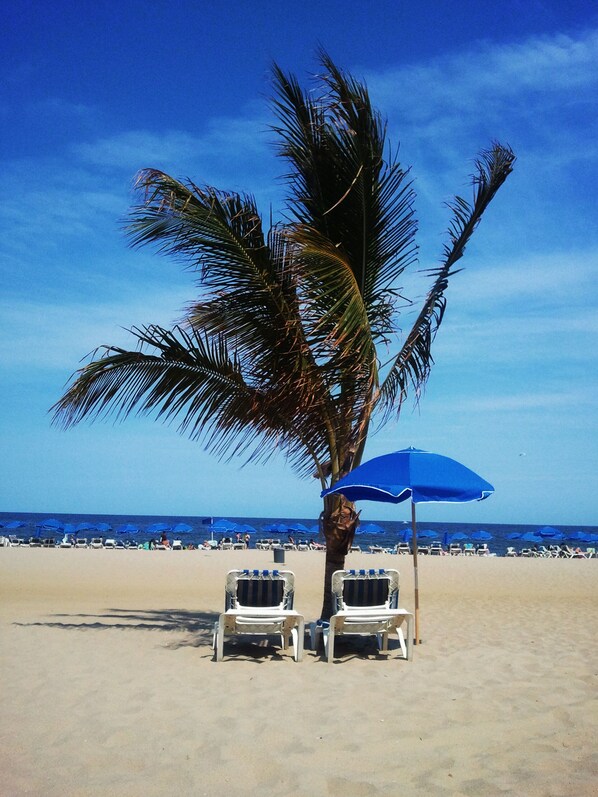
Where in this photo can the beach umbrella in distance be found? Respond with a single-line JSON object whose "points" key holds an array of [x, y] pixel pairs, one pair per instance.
{"points": [[182, 528], [514, 535], [299, 528], [247, 528], [550, 531], [127, 528], [427, 534], [103, 527], [370, 528], [529, 536], [14, 524], [50, 524], [155, 528], [453, 536], [481, 536], [413, 474], [85, 526], [278, 528], [223, 523]]}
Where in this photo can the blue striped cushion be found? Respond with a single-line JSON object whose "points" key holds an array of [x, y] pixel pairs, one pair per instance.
{"points": [[260, 592]]}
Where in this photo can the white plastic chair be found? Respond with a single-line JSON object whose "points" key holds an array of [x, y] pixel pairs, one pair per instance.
{"points": [[260, 603], [365, 604]]}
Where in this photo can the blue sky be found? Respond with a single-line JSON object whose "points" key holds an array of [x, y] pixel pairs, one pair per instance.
{"points": [[93, 92]]}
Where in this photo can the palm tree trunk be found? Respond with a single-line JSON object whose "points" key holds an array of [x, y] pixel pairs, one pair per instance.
{"points": [[339, 522]]}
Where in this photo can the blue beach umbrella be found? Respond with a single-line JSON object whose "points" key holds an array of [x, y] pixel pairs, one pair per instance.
{"points": [[427, 534], [50, 524], [85, 526], [514, 535], [278, 528], [481, 536], [550, 531], [103, 527], [453, 536], [413, 474], [155, 528], [370, 528], [14, 524], [182, 528], [529, 536], [127, 528], [299, 528]]}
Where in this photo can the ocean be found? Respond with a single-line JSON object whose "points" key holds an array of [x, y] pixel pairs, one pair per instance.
{"points": [[391, 531]]}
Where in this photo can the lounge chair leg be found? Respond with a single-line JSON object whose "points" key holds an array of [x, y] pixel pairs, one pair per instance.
{"points": [[402, 642], [329, 640], [219, 634], [299, 639]]}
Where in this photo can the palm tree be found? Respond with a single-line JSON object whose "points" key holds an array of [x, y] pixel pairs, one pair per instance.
{"points": [[282, 349]]}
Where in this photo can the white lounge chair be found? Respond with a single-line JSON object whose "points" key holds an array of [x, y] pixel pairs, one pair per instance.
{"points": [[403, 548], [81, 542], [511, 551], [96, 542], [436, 549], [260, 603], [455, 549], [366, 604]]}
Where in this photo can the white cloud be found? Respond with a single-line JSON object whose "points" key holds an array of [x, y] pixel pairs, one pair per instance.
{"points": [[451, 84], [49, 335]]}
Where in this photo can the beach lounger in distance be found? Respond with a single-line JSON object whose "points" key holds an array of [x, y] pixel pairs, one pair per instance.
{"points": [[260, 603], [365, 603]]}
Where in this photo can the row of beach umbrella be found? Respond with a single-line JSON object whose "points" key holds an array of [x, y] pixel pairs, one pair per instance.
{"points": [[225, 526]]}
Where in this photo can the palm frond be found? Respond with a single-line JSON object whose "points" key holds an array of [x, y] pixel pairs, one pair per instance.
{"points": [[413, 363]]}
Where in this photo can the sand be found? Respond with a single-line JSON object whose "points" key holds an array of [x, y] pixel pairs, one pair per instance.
{"points": [[109, 687]]}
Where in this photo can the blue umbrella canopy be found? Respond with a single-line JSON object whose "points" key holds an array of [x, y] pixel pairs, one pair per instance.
{"points": [[412, 473], [370, 528], [481, 536], [279, 528], [529, 536], [127, 528], [50, 524], [155, 527], [223, 523], [182, 528], [247, 528], [427, 534], [85, 526], [423, 477], [298, 527], [454, 536], [103, 527], [14, 524], [514, 535], [550, 531]]}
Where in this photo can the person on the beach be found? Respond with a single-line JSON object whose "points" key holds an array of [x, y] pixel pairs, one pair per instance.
{"points": [[164, 540], [247, 540]]}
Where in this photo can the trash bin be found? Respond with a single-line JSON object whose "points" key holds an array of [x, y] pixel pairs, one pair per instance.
{"points": [[279, 556]]}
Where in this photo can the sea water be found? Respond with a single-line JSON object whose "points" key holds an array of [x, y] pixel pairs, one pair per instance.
{"points": [[392, 531]]}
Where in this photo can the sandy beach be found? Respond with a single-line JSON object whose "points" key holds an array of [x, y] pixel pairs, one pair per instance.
{"points": [[109, 687]]}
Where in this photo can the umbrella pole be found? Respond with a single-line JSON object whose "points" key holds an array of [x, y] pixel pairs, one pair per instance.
{"points": [[415, 576]]}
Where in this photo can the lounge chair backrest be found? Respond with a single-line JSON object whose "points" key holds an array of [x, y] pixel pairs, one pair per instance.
{"points": [[365, 589], [259, 589]]}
